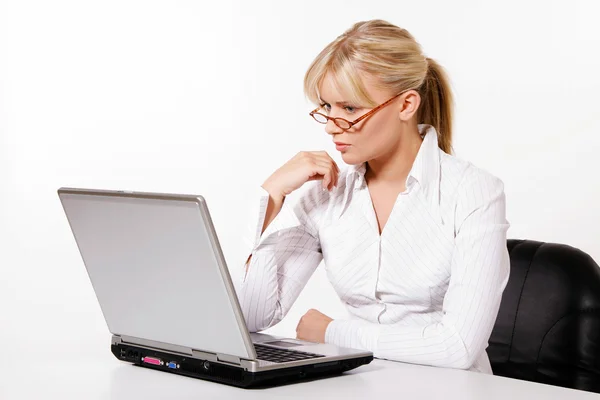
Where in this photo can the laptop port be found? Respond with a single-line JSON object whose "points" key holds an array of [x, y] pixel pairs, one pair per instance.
{"points": [[172, 365], [153, 361]]}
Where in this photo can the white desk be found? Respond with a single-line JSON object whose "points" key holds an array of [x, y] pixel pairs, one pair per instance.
{"points": [[104, 377]]}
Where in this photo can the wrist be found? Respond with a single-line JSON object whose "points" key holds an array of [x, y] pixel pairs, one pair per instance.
{"points": [[277, 195]]}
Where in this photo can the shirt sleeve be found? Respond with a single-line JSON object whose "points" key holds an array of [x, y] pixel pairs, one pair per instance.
{"points": [[283, 259], [479, 273]]}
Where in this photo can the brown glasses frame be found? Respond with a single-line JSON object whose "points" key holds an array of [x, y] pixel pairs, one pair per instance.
{"points": [[356, 121]]}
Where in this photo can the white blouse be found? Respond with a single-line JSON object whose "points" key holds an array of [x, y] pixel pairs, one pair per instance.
{"points": [[425, 291]]}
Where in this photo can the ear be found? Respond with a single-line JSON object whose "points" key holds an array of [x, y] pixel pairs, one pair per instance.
{"points": [[409, 104]]}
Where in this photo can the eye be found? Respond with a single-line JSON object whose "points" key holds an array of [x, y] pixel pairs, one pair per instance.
{"points": [[326, 107], [350, 109]]}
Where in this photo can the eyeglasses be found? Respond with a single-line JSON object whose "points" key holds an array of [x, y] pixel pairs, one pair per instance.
{"points": [[344, 124]]}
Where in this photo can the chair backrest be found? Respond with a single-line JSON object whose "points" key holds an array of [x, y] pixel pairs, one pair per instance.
{"points": [[548, 326]]}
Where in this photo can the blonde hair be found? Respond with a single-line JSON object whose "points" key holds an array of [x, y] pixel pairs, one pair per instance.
{"points": [[392, 56]]}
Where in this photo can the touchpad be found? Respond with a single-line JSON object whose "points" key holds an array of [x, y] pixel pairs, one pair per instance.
{"points": [[282, 343]]}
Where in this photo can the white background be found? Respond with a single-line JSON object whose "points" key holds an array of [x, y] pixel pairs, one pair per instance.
{"points": [[206, 98]]}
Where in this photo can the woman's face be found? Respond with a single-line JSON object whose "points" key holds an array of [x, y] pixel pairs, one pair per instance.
{"points": [[377, 136]]}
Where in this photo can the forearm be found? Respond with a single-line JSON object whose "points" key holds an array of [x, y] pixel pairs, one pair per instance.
{"points": [[259, 293], [284, 254], [278, 271], [273, 208], [435, 344]]}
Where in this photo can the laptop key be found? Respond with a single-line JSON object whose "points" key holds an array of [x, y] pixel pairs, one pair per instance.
{"points": [[276, 355]]}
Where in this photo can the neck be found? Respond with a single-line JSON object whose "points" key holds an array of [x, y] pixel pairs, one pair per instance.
{"points": [[394, 166]]}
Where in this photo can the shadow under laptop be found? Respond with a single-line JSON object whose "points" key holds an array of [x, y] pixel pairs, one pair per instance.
{"points": [[334, 378], [130, 379]]}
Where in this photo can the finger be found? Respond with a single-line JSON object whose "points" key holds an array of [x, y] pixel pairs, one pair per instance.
{"points": [[320, 157], [326, 155], [319, 170], [333, 162], [322, 168], [332, 180], [334, 167], [326, 181], [321, 154]]}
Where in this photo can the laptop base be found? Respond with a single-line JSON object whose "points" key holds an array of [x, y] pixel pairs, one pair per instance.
{"points": [[229, 374]]}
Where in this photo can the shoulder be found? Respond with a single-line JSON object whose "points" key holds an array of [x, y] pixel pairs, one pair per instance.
{"points": [[474, 193], [467, 180]]}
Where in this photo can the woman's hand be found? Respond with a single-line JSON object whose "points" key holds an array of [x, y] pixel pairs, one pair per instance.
{"points": [[312, 326], [303, 167]]}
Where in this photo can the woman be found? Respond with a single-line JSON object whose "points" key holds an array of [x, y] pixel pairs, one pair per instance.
{"points": [[413, 239]]}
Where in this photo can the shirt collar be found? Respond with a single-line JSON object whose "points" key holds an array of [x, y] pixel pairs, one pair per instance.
{"points": [[425, 168]]}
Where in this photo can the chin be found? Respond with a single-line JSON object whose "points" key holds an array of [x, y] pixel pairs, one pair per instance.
{"points": [[351, 160]]}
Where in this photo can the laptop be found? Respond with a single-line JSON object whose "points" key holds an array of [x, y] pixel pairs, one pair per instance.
{"points": [[167, 297]]}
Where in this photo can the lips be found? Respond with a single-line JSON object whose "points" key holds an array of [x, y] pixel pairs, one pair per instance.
{"points": [[341, 147]]}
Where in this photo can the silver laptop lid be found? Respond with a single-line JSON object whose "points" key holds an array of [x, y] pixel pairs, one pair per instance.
{"points": [[157, 268]]}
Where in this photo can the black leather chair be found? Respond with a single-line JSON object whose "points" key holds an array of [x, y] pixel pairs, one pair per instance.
{"points": [[548, 326]]}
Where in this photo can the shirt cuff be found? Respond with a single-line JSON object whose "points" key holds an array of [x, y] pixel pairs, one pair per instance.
{"points": [[354, 334], [255, 238], [259, 213]]}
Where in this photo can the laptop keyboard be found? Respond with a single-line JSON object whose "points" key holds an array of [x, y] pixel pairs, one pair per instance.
{"points": [[267, 353]]}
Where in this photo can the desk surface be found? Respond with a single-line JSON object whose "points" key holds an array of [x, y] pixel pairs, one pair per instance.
{"points": [[108, 378]]}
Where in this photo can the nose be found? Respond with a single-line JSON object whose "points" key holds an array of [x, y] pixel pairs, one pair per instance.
{"points": [[332, 129]]}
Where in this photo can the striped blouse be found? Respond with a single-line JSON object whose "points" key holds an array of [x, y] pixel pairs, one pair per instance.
{"points": [[426, 290]]}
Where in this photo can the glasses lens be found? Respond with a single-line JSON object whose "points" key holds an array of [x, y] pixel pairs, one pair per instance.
{"points": [[320, 118], [342, 123]]}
